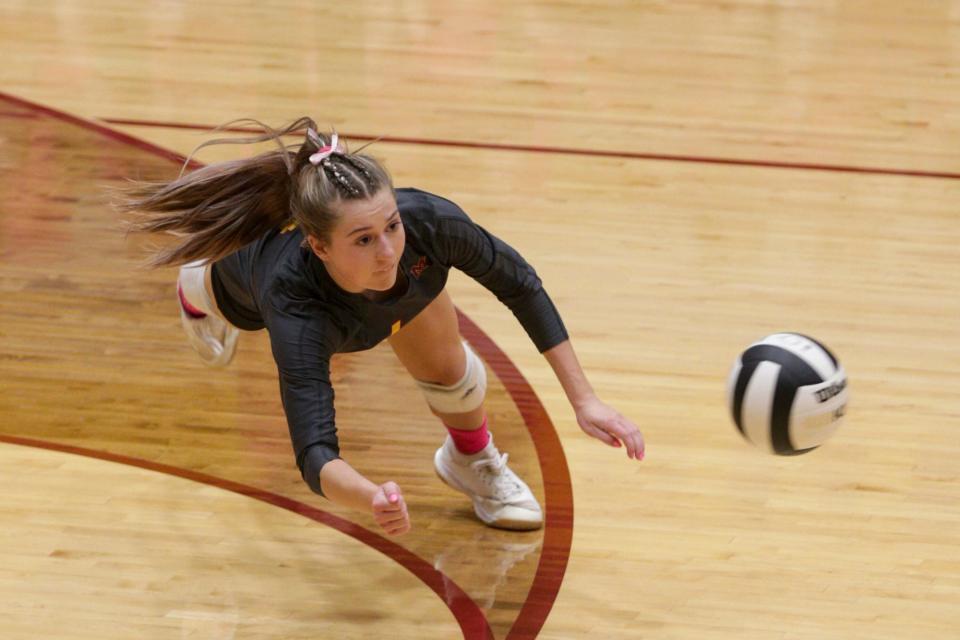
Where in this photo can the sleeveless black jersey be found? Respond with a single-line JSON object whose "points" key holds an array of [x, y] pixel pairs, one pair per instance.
{"points": [[279, 284]]}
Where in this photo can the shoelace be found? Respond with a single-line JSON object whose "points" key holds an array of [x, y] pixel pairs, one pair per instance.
{"points": [[495, 474]]}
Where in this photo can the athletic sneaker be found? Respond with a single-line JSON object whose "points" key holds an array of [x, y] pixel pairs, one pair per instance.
{"points": [[214, 340], [500, 498]]}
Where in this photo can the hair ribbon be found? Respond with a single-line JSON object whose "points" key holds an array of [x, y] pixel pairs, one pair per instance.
{"points": [[325, 151]]}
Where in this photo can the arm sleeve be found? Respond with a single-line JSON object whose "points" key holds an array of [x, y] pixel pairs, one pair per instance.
{"points": [[302, 349], [498, 267]]}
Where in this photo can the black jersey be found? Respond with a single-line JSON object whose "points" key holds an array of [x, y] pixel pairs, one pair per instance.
{"points": [[279, 284]]}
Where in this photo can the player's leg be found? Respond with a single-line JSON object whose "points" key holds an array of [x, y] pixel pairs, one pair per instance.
{"points": [[213, 338], [431, 349], [453, 381]]}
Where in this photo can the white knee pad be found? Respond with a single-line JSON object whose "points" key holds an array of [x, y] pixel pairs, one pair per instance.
{"points": [[464, 396], [191, 280]]}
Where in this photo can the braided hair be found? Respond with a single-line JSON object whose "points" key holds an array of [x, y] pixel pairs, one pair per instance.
{"points": [[216, 209], [328, 174]]}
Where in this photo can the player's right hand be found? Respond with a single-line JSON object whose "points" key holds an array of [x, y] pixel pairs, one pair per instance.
{"points": [[390, 510]]}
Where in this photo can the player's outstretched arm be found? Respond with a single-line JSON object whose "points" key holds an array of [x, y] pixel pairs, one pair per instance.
{"points": [[596, 418]]}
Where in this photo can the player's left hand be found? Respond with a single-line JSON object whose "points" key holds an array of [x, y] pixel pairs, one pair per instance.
{"points": [[606, 424]]}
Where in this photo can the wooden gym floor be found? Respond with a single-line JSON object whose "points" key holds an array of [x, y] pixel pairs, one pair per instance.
{"points": [[686, 177]]}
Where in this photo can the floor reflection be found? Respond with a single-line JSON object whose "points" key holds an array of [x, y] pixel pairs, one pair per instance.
{"points": [[486, 561]]}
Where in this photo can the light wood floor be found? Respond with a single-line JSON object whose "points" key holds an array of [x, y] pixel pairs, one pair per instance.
{"points": [[663, 269]]}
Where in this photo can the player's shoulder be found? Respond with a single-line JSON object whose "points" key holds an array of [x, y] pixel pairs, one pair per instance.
{"points": [[422, 205]]}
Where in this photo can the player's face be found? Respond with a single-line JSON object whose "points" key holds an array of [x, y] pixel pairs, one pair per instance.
{"points": [[366, 244]]}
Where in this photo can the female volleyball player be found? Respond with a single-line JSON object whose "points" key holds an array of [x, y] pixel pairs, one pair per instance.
{"points": [[313, 243]]}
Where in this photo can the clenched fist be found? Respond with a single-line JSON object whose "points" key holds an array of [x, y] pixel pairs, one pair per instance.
{"points": [[390, 510]]}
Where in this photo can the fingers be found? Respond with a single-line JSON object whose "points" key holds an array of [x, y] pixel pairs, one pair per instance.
{"points": [[390, 510], [636, 448], [395, 527], [630, 435], [385, 506], [386, 519], [391, 498], [398, 530], [616, 430], [601, 435], [392, 492]]}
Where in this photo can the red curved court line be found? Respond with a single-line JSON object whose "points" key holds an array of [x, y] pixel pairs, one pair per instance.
{"points": [[119, 136], [598, 153], [468, 615], [558, 511]]}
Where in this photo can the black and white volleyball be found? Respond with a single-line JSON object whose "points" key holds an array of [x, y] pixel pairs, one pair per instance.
{"points": [[787, 393]]}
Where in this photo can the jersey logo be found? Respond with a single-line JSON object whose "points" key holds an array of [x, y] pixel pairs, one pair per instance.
{"points": [[417, 270]]}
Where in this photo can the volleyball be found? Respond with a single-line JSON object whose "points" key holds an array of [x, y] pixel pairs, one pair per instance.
{"points": [[787, 394]]}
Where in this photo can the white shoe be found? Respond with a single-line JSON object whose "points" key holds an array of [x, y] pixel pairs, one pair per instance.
{"points": [[214, 340], [500, 498]]}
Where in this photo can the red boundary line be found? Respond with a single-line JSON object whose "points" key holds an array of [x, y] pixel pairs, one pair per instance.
{"points": [[558, 512], [468, 615], [119, 136], [599, 153]]}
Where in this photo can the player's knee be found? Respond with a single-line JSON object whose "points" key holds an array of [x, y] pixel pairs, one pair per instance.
{"points": [[463, 396]]}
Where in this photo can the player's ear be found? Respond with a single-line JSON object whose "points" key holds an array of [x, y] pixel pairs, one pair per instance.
{"points": [[318, 247]]}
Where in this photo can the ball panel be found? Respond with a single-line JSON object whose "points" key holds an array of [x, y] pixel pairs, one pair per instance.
{"points": [[781, 417], [800, 370], [741, 377], [818, 411], [757, 406], [735, 391], [823, 347], [808, 350]]}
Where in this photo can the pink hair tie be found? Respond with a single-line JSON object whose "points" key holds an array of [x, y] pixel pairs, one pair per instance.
{"points": [[325, 151]]}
